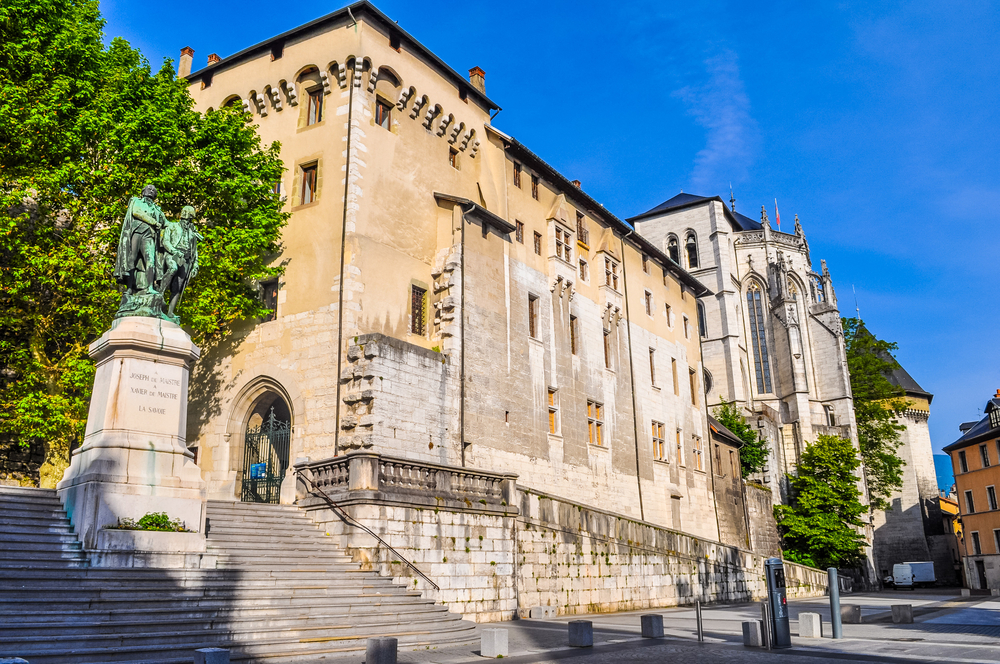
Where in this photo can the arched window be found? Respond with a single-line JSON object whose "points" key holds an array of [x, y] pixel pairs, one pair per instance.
{"points": [[673, 250], [758, 339], [702, 321], [691, 247]]}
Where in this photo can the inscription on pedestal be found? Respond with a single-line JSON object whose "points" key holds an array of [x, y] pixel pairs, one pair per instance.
{"points": [[151, 396]]}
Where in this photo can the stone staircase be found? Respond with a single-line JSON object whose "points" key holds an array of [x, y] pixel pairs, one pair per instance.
{"points": [[281, 591]]}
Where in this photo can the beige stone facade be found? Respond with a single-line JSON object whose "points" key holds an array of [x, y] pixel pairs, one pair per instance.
{"points": [[449, 297]]}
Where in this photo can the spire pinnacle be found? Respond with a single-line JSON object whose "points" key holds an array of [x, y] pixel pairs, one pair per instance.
{"points": [[732, 198]]}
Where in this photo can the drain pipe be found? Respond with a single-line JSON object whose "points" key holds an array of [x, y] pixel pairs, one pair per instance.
{"points": [[343, 250], [631, 371], [461, 426]]}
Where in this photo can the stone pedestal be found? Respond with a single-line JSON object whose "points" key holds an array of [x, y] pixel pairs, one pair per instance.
{"points": [[133, 459]]}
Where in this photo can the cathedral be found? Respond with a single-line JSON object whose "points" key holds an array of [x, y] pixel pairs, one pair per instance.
{"points": [[770, 331]]}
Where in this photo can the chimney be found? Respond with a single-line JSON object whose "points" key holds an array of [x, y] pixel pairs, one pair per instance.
{"points": [[184, 67], [478, 79], [997, 395], [213, 58], [575, 183]]}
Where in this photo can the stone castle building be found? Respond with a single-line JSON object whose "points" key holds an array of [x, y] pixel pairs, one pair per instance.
{"points": [[449, 297], [770, 328]]}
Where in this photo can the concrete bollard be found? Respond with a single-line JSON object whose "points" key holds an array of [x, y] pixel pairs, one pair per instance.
{"points": [[966, 592], [902, 613], [995, 592], [493, 643], [810, 626], [652, 625], [210, 656], [752, 635], [381, 650], [581, 634], [542, 612], [850, 614]]}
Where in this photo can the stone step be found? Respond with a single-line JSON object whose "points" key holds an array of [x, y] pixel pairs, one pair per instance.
{"points": [[280, 524], [257, 650], [27, 507], [39, 540], [357, 580], [21, 563], [219, 530], [177, 576], [155, 593], [12, 531], [27, 491]]}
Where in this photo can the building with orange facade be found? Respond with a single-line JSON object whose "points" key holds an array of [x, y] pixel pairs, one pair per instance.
{"points": [[976, 460]]}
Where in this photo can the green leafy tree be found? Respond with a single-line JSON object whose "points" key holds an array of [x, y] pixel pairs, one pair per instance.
{"points": [[822, 525], [876, 402], [753, 454], [82, 128]]}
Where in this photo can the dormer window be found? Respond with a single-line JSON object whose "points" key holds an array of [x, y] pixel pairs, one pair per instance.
{"points": [[995, 418]]}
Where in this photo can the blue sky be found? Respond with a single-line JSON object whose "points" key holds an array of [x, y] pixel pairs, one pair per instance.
{"points": [[875, 122]]}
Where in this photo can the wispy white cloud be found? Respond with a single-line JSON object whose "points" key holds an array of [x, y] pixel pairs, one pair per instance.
{"points": [[721, 105]]}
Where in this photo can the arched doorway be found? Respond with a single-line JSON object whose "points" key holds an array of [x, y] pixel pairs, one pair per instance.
{"points": [[265, 449]]}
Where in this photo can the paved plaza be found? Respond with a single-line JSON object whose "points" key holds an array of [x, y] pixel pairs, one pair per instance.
{"points": [[947, 627]]}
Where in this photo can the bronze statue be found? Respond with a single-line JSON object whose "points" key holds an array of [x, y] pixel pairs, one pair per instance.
{"points": [[154, 255], [180, 257]]}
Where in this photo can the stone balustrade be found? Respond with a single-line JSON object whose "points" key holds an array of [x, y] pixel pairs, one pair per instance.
{"points": [[367, 477]]}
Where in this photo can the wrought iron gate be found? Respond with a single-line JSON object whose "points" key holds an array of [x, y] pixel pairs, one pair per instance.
{"points": [[265, 460]]}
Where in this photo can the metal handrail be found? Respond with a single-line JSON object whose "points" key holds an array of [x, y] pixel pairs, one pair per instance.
{"points": [[351, 521]]}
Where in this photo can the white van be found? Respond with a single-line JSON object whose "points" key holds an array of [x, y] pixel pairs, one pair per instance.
{"points": [[923, 574], [902, 576]]}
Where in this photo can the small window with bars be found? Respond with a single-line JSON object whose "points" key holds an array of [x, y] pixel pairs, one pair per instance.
{"points": [[538, 243], [517, 175], [533, 316], [269, 298], [595, 422], [519, 231], [698, 451], [534, 187], [659, 443], [563, 249], [647, 299], [584, 271], [418, 310], [984, 455]]}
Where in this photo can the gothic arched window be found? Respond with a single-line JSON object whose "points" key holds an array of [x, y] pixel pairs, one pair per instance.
{"points": [[673, 250], [702, 321], [758, 339], [691, 247]]}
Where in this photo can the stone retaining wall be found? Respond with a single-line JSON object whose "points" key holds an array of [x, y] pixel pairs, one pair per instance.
{"points": [[494, 557]]}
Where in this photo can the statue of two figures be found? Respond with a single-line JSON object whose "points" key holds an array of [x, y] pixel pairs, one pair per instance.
{"points": [[156, 256]]}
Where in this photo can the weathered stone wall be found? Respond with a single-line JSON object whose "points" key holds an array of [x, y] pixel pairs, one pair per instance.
{"points": [[763, 529], [492, 565], [19, 465]]}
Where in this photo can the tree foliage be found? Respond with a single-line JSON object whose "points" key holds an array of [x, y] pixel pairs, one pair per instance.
{"points": [[876, 401], [822, 525], [753, 454], [84, 127]]}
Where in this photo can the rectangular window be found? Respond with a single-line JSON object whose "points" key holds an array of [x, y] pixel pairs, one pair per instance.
{"points": [[573, 335], [991, 497], [970, 505], [699, 451], [659, 444], [584, 271], [687, 328], [645, 263], [563, 250], [315, 111], [673, 373], [517, 175], [652, 366], [538, 243], [534, 187], [693, 379], [308, 184], [669, 314], [733, 468], [996, 541], [383, 114], [718, 460], [984, 454], [533, 316], [553, 411], [453, 158], [680, 449], [519, 231], [977, 548], [607, 349], [963, 463], [582, 234], [595, 422], [665, 282], [647, 299], [418, 317], [610, 273], [269, 298]]}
